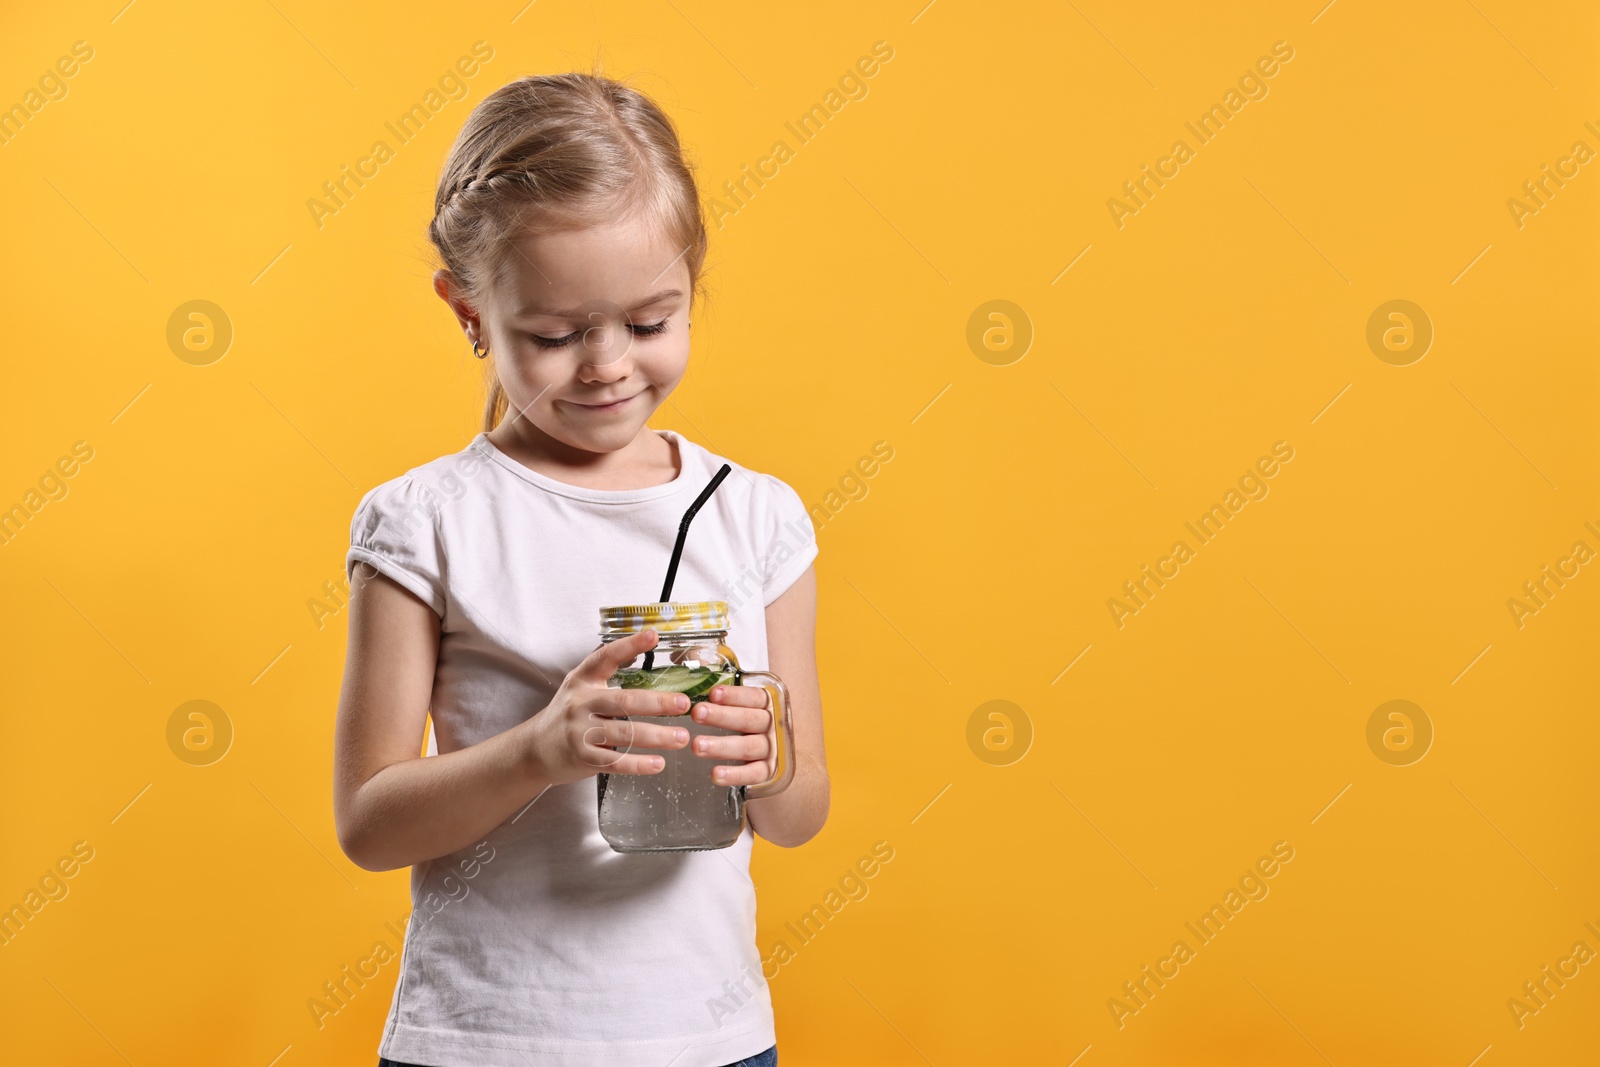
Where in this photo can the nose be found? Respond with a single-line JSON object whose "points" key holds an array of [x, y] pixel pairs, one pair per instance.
{"points": [[603, 350]]}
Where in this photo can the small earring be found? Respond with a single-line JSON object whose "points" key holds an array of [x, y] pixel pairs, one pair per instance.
{"points": [[475, 351]]}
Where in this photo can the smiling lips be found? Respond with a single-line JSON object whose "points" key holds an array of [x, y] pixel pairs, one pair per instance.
{"points": [[614, 406]]}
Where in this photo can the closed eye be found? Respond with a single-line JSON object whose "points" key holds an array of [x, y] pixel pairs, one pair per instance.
{"points": [[562, 342]]}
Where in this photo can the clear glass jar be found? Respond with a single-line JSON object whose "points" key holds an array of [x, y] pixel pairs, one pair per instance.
{"points": [[679, 808]]}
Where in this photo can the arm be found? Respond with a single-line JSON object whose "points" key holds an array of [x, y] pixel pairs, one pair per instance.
{"points": [[795, 815], [393, 808]]}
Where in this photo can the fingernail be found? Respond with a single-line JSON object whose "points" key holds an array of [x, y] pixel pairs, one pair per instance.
{"points": [[681, 702]]}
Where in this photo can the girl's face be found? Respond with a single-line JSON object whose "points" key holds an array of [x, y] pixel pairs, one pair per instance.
{"points": [[589, 332]]}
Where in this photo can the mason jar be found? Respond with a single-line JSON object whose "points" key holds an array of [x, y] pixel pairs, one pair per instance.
{"points": [[679, 808]]}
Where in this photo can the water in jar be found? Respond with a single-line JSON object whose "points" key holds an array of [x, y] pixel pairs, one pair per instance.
{"points": [[678, 808]]}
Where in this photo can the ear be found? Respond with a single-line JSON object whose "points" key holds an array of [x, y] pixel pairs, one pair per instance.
{"points": [[449, 290]]}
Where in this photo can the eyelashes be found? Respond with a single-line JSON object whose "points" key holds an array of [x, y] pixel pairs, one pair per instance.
{"points": [[562, 342]]}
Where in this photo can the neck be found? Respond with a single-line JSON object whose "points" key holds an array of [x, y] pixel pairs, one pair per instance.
{"points": [[649, 459]]}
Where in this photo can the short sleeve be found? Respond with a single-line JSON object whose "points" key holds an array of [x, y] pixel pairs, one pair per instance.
{"points": [[789, 539], [396, 530]]}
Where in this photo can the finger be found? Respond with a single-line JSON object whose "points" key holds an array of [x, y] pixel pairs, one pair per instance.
{"points": [[639, 702], [742, 747], [741, 773], [744, 720], [624, 760], [626, 735], [603, 662], [632, 763], [596, 755], [741, 696]]}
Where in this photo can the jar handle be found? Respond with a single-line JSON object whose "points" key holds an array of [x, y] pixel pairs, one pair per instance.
{"points": [[782, 734]]}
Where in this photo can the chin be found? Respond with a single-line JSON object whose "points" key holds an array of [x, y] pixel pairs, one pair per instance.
{"points": [[600, 438]]}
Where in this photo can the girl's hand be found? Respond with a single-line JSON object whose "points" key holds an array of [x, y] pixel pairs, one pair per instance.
{"points": [[583, 730], [744, 708]]}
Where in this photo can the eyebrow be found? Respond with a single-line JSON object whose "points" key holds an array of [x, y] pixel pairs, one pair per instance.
{"points": [[572, 313]]}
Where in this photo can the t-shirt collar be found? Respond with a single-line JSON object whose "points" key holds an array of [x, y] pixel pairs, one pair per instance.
{"points": [[688, 470]]}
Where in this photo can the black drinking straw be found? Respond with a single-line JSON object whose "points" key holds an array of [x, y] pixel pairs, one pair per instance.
{"points": [[677, 549]]}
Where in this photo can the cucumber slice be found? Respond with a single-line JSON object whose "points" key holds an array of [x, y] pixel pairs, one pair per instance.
{"points": [[693, 682], [665, 679]]}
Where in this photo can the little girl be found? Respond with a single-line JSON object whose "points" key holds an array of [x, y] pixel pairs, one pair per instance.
{"points": [[571, 234]]}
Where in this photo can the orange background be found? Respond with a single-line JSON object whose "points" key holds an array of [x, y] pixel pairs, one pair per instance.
{"points": [[1040, 860]]}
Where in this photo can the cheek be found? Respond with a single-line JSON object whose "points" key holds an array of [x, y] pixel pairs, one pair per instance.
{"points": [[667, 361], [525, 368]]}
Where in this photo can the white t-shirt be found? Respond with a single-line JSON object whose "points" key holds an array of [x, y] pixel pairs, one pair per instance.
{"points": [[540, 945]]}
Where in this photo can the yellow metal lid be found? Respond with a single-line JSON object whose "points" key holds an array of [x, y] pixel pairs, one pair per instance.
{"points": [[668, 615]]}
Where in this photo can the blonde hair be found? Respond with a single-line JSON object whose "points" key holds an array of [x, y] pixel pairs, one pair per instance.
{"points": [[559, 151]]}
